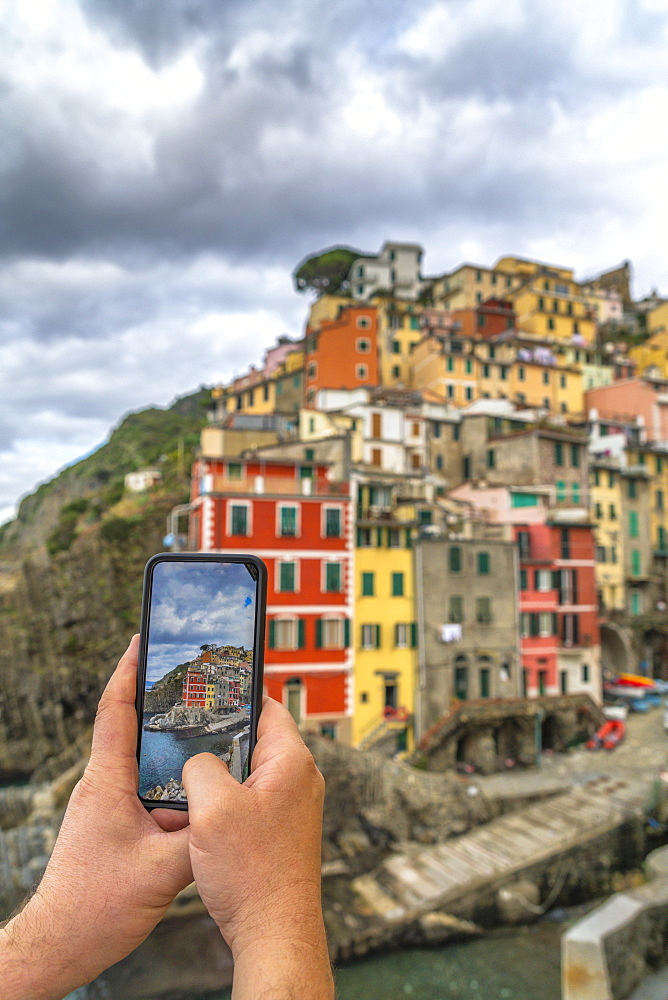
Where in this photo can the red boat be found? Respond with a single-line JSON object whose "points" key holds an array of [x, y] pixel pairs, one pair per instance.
{"points": [[608, 736]]}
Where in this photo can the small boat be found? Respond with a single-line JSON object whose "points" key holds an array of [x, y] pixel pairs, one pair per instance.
{"points": [[636, 680], [608, 736]]}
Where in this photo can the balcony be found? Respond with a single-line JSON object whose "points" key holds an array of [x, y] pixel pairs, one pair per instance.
{"points": [[276, 486]]}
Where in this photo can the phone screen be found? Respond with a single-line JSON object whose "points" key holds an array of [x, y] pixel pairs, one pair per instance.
{"points": [[200, 668]]}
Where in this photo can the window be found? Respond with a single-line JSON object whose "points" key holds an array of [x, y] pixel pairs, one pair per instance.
{"points": [[635, 562], [520, 373], [545, 623], [287, 525], [570, 630], [659, 463], [546, 378], [287, 577], [483, 610], [598, 509], [485, 371], [333, 578], [524, 542], [611, 479], [393, 538], [565, 544], [558, 453], [633, 524], [367, 584], [524, 579], [450, 364], [401, 635], [362, 371], [585, 673], [312, 369], [468, 393], [601, 553], [483, 563], [363, 322], [562, 381], [451, 392], [456, 608], [364, 538], [332, 522], [561, 490], [455, 559], [286, 633], [396, 371], [331, 633], [239, 519], [612, 512], [635, 602], [658, 499], [396, 347], [543, 580], [469, 366], [370, 636], [491, 462], [363, 345], [632, 489], [234, 470], [575, 492], [397, 585], [550, 323], [575, 456]]}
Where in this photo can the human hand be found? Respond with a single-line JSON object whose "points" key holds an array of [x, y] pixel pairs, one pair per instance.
{"points": [[114, 870], [255, 853]]}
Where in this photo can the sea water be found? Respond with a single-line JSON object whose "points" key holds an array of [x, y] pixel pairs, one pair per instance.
{"points": [[163, 754], [509, 964]]}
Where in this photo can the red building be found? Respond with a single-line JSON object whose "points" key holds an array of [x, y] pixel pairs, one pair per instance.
{"points": [[297, 521], [194, 688], [559, 633]]}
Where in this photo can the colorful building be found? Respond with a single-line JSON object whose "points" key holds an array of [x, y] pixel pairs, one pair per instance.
{"points": [[385, 638], [194, 688], [300, 523], [342, 353]]}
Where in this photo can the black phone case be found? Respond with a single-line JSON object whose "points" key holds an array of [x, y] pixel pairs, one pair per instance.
{"points": [[258, 647]]}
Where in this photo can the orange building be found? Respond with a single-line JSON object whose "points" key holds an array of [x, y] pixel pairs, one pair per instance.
{"points": [[342, 353]]}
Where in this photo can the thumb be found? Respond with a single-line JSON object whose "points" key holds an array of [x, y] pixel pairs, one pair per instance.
{"points": [[209, 786]]}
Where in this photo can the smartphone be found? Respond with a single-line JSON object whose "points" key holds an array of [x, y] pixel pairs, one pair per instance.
{"points": [[201, 656]]}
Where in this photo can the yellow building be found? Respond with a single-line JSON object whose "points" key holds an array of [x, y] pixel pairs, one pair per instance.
{"points": [[385, 638], [651, 357], [469, 285], [606, 486], [556, 389], [399, 329], [210, 694], [548, 302], [326, 307]]}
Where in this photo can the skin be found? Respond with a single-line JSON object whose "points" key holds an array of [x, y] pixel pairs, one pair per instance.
{"points": [[253, 849], [260, 881]]}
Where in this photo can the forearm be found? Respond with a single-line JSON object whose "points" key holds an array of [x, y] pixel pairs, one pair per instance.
{"points": [[32, 962]]}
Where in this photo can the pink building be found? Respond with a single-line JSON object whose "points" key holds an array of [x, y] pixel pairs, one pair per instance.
{"points": [[629, 398]]}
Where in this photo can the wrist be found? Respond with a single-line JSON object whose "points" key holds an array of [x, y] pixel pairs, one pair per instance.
{"points": [[284, 967]]}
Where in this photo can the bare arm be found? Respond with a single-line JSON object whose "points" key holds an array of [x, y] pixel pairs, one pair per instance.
{"points": [[255, 852], [114, 869]]}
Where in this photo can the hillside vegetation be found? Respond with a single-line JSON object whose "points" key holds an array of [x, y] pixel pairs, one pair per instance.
{"points": [[89, 491]]}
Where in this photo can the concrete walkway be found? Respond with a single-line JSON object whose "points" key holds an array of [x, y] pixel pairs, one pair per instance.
{"points": [[417, 880]]}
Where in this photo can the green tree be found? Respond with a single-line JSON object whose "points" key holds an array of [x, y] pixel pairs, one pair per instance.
{"points": [[327, 271]]}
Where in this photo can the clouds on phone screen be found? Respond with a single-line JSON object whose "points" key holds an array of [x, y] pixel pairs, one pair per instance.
{"points": [[193, 604]]}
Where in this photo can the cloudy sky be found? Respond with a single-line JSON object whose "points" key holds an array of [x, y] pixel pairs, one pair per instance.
{"points": [[165, 164], [193, 604]]}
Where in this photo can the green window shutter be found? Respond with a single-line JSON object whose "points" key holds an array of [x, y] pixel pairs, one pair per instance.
{"points": [[346, 632], [333, 577], [413, 635], [379, 537], [455, 558], [397, 585], [272, 634], [635, 562], [561, 490], [483, 562], [300, 633], [633, 523], [558, 453], [318, 634], [523, 579], [377, 637], [367, 585]]}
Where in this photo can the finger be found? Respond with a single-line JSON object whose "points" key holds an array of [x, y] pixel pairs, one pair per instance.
{"points": [[277, 732], [207, 781], [115, 729], [170, 820]]}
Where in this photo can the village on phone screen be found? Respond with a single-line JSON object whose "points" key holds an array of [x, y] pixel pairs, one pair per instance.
{"points": [[199, 674]]}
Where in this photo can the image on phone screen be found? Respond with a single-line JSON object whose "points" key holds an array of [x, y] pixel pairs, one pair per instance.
{"points": [[200, 658]]}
